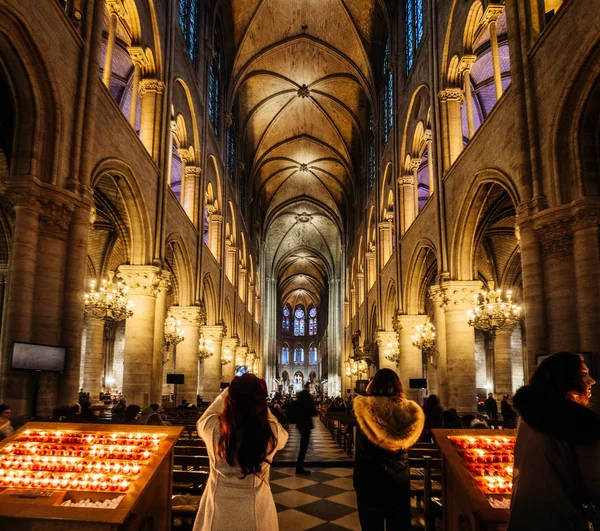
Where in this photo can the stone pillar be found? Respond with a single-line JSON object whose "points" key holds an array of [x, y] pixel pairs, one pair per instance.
{"points": [[587, 279], [211, 385], [385, 240], [242, 357], [346, 313], [94, 352], [383, 339], [406, 184], [191, 193], [138, 57], [230, 261], [152, 92], [361, 287], [414, 166], [214, 235], [113, 9], [160, 314], [440, 365], [411, 358], [186, 360], [139, 332], [451, 100], [458, 298], [250, 302], [464, 68], [428, 136], [371, 269], [491, 16], [230, 345], [241, 288], [503, 363]]}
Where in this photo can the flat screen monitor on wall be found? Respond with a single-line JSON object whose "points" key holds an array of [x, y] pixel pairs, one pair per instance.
{"points": [[33, 357]]}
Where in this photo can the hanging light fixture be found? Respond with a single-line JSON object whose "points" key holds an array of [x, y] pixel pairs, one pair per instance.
{"points": [[424, 339], [205, 348], [493, 313], [108, 302], [174, 334], [226, 358], [391, 352]]}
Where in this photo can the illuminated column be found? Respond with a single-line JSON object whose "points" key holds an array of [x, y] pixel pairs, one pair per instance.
{"points": [[211, 387], [230, 263], [143, 284], [451, 100], [186, 352], [241, 287], [229, 349], [353, 302], [370, 259], [428, 136], [160, 314], [241, 355], [361, 287], [385, 240], [191, 193], [503, 364], [457, 299], [465, 68], [138, 58], [407, 201], [214, 235], [383, 339], [411, 359], [113, 8], [250, 301], [346, 313], [94, 352], [152, 92], [490, 17], [414, 166]]}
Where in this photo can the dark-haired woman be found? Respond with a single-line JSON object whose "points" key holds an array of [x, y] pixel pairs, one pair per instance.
{"points": [[388, 424], [557, 453], [241, 437]]}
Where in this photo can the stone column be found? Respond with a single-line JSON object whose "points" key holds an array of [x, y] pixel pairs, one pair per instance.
{"points": [[250, 302], [464, 68], [383, 339], [191, 193], [385, 240], [160, 314], [503, 363], [187, 351], [491, 16], [346, 313], [411, 358], [428, 136], [152, 92], [241, 356], [587, 279], [138, 57], [440, 362], [212, 366], [230, 262], [139, 332], [214, 235], [241, 288], [230, 345], [458, 298], [113, 8], [406, 184], [371, 270], [414, 166], [94, 351], [451, 100], [361, 287]]}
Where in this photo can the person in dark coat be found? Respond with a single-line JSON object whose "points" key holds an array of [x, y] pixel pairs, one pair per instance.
{"points": [[433, 412], [304, 412], [509, 415], [388, 424], [557, 452], [491, 406]]}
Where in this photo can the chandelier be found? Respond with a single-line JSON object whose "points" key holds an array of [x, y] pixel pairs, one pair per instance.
{"points": [[226, 358], [355, 368], [391, 352], [492, 312], [173, 331], [108, 302], [424, 337], [205, 348]]}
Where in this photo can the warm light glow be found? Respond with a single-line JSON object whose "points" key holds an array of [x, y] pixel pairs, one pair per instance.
{"points": [[109, 302]]}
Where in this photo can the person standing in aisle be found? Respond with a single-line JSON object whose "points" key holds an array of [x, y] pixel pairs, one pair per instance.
{"points": [[491, 406], [304, 412]]}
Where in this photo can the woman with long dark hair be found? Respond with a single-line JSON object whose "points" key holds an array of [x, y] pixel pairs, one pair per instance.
{"points": [[557, 453], [241, 437], [388, 424]]}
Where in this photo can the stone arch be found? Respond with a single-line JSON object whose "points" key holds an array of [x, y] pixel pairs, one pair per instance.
{"points": [[463, 237], [194, 141], [209, 296], [214, 176], [472, 26], [390, 306], [385, 185], [228, 317], [423, 270], [129, 192], [417, 111], [179, 264]]}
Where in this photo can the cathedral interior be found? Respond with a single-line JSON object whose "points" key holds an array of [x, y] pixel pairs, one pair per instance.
{"points": [[311, 189]]}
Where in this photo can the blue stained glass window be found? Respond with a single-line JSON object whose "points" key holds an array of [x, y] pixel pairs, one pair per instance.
{"points": [[286, 320], [372, 154], [285, 356], [231, 152], [387, 94], [299, 355], [299, 321], [414, 30], [188, 11], [312, 356], [214, 84], [312, 322]]}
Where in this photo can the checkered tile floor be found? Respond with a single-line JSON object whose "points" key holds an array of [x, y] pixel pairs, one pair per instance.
{"points": [[322, 449], [325, 500]]}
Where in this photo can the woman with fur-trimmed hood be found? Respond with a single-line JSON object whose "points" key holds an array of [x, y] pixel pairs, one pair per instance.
{"points": [[388, 424]]}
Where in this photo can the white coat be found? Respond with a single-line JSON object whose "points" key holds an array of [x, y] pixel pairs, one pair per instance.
{"points": [[230, 502]]}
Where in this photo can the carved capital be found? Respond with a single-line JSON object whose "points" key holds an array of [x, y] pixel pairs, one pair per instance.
{"points": [[231, 343], [406, 180], [385, 225], [586, 219], [55, 217], [214, 333], [138, 57], [466, 62], [188, 315], [492, 13], [228, 120], [192, 171], [383, 338], [428, 135], [202, 315], [452, 94], [151, 85], [458, 295], [415, 164], [216, 218], [556, 239], [115, 7], [142, 280]]}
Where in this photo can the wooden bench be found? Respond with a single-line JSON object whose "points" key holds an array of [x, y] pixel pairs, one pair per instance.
{"points": [[189, 481], [191, 450], [427, 489]]}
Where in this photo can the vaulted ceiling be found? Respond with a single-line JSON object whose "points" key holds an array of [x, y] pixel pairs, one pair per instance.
{"points": [[303, 85]]}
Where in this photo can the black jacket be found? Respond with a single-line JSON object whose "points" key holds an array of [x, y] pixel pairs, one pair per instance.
{"points": [[304, 411]]}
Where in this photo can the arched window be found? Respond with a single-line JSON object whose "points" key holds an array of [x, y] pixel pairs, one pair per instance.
{"points": [[414, 30], [231, 147], [312, 355], [188, 10], [285, 324], [243, 187], [176, 172], [285, 355], [372, 154], [387, 93], [312, 322], [299, 355], [214, 83], [298, 380], [299, 321]]}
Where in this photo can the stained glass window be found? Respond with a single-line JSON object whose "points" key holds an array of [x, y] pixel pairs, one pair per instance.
{"points": [[387, 94], [243, 191], [286, 320], [214, 84], [285, 356], [298, 355], [299, 321], [188, 10], [414, 30], [372, 154], [312, 355], [312, 322], [231, 152]]}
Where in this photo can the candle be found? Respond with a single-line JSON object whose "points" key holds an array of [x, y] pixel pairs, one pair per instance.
{"points": [[124, 485]]}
